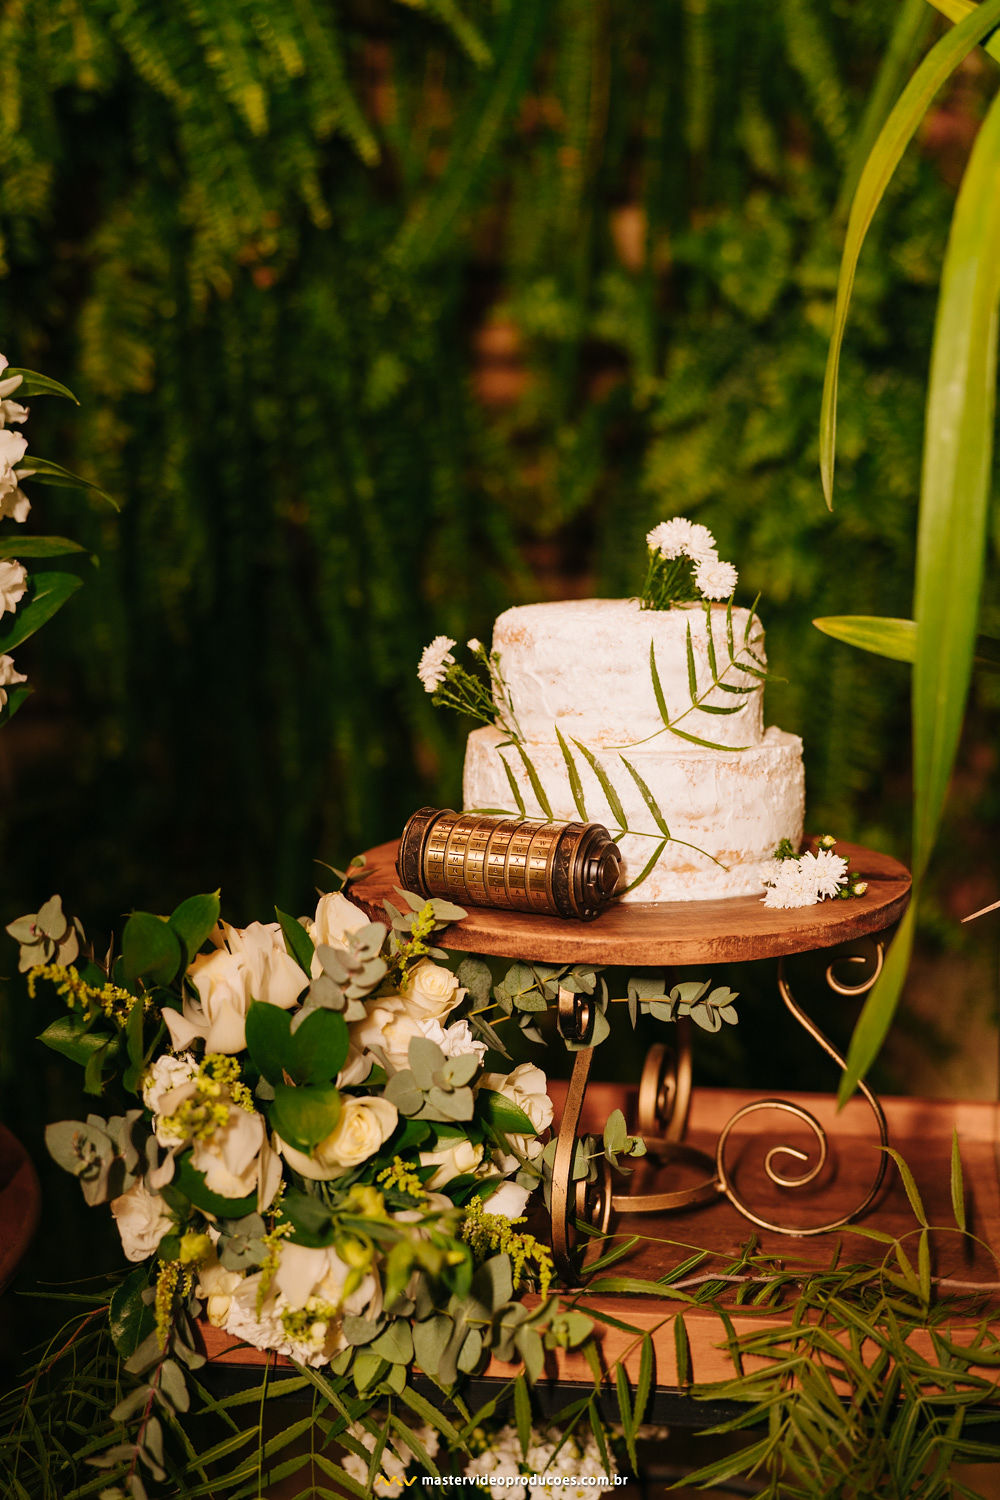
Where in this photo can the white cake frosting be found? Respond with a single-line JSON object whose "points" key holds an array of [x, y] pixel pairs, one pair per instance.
{"points": [[584, 666]]}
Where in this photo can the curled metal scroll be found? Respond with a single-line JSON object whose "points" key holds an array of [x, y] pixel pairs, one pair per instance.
{"points": [[576, 1016], [802, 1179], [665, 1088]]}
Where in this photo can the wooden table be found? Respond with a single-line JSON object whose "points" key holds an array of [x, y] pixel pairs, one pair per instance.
{"points": [[922, 1130], [661, 936]]}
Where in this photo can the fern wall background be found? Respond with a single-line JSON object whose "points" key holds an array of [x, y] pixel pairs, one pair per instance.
{"points": [[387, 316]]}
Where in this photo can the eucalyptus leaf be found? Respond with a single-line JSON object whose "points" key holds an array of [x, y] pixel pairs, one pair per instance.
{"points": [[151, 949]]}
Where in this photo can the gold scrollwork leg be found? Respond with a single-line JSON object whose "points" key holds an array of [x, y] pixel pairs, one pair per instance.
{"points": [[590, 1201], [801, 1179], [664, 1104]]}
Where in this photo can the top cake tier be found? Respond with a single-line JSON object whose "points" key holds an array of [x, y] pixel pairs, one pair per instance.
{"points": [[584, 664]]}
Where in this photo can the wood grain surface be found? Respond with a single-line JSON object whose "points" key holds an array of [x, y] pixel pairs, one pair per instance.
{"points": [[671, 932]]}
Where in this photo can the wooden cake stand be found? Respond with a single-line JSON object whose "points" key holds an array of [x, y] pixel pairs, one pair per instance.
{"points": [[659, 936]]}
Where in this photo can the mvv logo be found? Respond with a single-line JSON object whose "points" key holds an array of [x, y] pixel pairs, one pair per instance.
{"points": [[384, 1479]]}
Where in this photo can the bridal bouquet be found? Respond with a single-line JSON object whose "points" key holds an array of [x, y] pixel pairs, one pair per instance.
{"points": [[308, 1150]]}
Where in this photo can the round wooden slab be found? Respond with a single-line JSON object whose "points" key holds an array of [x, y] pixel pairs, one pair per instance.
{"points": [[670, 932]]}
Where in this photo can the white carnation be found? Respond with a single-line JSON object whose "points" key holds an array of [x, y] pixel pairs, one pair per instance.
{"points": [[680, 537], [435, 661], [715, 579], [163, 1076], [474, 644]]}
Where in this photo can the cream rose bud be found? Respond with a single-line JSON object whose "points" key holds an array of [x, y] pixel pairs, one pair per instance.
{"points": [[336, 918], [142, 1220], [451, 1161], [507, 1200], [229, 1158], [362, 1127], [431, 991]]}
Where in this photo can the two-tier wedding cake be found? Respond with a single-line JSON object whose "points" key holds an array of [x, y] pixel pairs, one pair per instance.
{"points": [[727, 789]]}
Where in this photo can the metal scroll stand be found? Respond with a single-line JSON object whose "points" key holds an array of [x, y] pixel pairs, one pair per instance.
{"points": [[665, 936], [664, 1103]]}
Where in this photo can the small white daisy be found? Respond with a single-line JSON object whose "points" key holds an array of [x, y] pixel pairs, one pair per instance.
{"points": [[435, 661], [715, 579], [474, 644]]}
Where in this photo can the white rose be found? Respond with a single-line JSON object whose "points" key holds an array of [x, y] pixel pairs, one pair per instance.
{"points": [[431, 992], [335, 918], [13, 582], [143, 1219], [229, 1158], [388, 1029], [508, 1200], [249, 964], [452, 1161], [526, 1087], [362, 1127], [216, 1286]]}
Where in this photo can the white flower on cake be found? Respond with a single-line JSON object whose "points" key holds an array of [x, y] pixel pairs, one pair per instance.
{"points": [[143, 1219], [715, 579], [363, 1125], [431, 991], [435, 661], [248, 964], [680, 537], [13, 582], [8, 677]]}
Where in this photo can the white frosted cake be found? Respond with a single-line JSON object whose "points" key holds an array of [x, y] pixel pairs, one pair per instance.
{"points": [[584, 666]]}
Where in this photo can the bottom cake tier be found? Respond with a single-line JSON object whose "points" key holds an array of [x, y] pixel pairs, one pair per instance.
{"points": [[726, 810]]}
